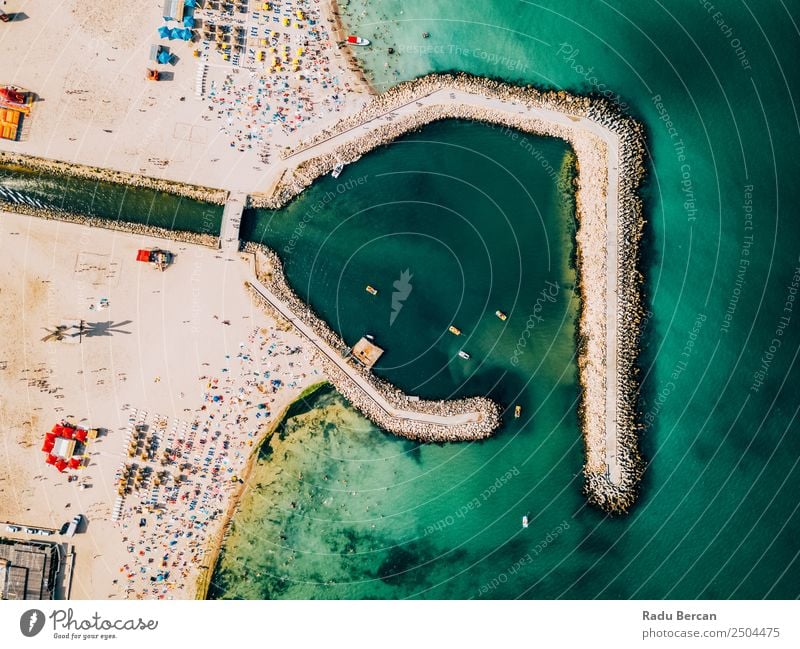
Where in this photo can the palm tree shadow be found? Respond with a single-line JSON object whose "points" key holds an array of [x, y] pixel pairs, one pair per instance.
{"points": [[108, 328]]}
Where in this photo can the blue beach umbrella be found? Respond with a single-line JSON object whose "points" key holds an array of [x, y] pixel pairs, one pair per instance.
{"points": [[163, 31]]}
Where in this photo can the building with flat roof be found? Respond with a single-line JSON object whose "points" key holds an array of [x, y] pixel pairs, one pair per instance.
{"points": [[28, 569]]}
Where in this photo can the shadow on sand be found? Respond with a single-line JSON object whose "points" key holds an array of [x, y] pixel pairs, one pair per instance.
{"points": [[107, 328]]}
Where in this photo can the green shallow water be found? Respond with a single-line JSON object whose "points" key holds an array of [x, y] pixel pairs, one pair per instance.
{"points": [[112, 201], [718, 513]]}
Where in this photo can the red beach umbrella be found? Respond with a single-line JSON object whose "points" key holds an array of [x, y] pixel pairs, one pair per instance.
{"points": [[61, 431], [74, 463], [61, 465], [50, 459]]}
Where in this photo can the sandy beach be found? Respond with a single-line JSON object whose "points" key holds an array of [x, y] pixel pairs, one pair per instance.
{"points": [[183, 352], [86, 63]]}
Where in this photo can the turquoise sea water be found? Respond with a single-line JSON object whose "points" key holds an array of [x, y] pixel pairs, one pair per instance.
{"points": [[340, 509], [112, 201]]}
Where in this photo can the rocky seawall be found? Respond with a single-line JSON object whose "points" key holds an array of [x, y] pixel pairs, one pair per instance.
{"points": [[59, 168], [613, 466], [209, 240], [269, 272]]}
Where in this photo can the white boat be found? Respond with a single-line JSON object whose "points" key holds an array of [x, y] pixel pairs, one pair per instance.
{"points": [[357, 40], [525, 522], [337, 170], [463, 354]]}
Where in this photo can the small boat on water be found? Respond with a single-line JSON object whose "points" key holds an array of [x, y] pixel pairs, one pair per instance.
{"points": [[369, 337], [525, 522], [500, 314], [337, 170], [463, 354], [517, 411], [357, 40], [372, 291], [454, 330]]}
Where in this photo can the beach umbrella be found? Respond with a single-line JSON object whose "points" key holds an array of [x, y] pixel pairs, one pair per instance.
{"points": [[74, 463], [163, 31], [50, 459], [60, 465]]}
